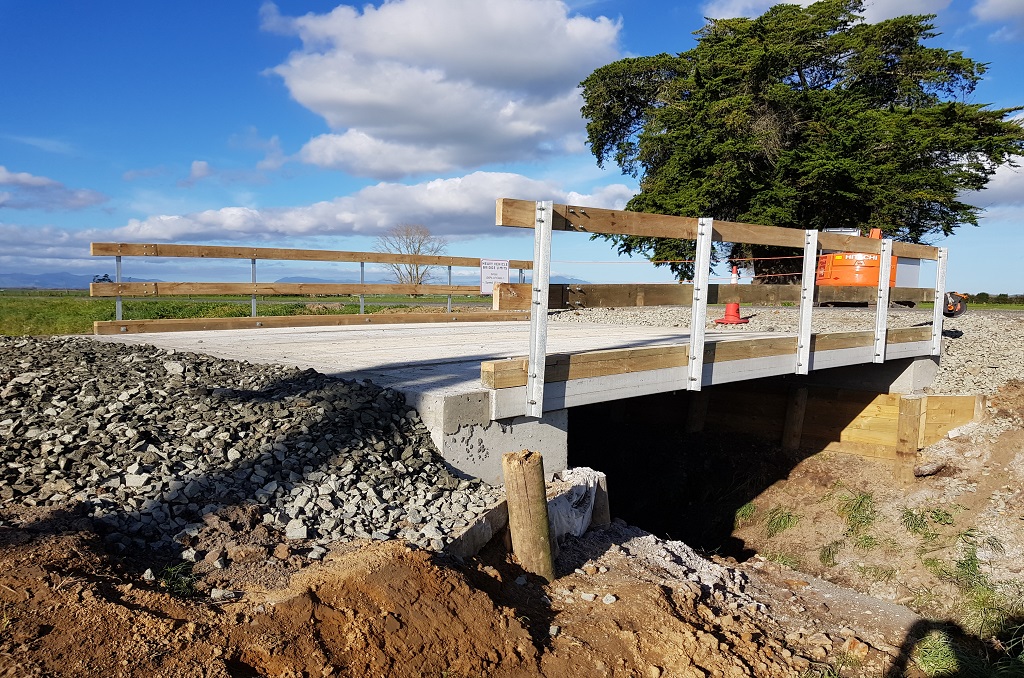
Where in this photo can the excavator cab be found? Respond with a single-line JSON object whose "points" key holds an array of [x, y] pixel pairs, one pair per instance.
{"points": [[954, 304]]}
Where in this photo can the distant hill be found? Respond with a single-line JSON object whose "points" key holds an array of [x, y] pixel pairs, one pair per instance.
{"points": [[456, 280], [53, 281], [79, 281]]}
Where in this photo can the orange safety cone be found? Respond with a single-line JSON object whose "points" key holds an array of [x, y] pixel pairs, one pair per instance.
{"points": [[732, 311]]}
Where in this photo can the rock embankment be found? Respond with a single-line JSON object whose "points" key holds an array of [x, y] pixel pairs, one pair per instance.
{"points": [[153, 441]]}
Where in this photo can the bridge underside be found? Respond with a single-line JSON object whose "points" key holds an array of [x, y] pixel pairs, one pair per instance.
{"points": [[468, 381]]}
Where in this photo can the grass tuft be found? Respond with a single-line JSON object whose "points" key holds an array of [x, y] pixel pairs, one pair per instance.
{"points": [[178, 580], [781, 558], [858, 510], [779, 520], [745, 514], [865, 542], [878, 573], [828, 554]]}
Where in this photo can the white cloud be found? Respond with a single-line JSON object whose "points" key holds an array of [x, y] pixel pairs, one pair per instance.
{"points": [[25, 243], [1008, 12], [144, 173], [30, 191], [1005, 190], [44, 144], [998, 10], [274, 157], [877, 10], [874, 10], [199, 170], [456, 206], [461, 83]]}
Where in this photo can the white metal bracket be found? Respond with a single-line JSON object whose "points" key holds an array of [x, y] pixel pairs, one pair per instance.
{"points": [[803, 345], [699, 307], [539, 309], [882, 300], [940, 299]]}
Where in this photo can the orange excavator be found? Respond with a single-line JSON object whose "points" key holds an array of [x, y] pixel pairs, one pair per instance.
{"points": [[853, 269], [858, 269]]}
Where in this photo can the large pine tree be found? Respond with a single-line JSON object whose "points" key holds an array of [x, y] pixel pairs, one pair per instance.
{"points": [[805, 118]]}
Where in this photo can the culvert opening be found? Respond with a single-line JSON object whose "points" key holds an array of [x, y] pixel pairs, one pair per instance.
{"points": [[669, 481]]}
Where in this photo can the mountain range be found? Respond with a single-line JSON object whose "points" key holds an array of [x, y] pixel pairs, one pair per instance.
{"points": [[79, 281]]}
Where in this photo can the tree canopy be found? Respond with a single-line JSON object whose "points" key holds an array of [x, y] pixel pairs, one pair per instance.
{"points": [[805, 118]]}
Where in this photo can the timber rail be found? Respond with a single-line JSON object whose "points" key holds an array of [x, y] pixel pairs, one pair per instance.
{"points": [[119, 288]]}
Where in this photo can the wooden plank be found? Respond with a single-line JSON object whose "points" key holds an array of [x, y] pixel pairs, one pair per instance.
{"points": [[520, 214], [98, 249], [834, 341], [153, 289], [674, 294], [196, 324], [793, 428], [871, 451], [944, 413], [911, 250], [836, 295], [745, 349], [509, 373], [517, 297], [904, 335], [628, 295]]}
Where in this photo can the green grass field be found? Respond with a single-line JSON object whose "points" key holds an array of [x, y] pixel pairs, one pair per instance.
{"points": [[39, 315]]}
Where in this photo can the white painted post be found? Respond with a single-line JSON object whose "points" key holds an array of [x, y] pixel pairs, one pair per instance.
{"points": [[539, 309], [940, 300], [362, 281], [699, 306], [803, 345], [118, 312], [882, 300], [253, 288]]}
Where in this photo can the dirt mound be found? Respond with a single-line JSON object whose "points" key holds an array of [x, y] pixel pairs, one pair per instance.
{"points": [[68, 608], [382, 609]]}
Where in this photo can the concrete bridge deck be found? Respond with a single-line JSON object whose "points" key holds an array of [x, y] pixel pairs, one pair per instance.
{"points": [[438, 368]]}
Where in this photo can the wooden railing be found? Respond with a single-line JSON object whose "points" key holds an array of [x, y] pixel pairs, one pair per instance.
{"points": [[119, 288], [520, 214], [534, 370]]}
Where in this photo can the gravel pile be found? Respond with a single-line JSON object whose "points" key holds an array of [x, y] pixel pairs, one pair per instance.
{"points": [[981, 350], [154, 442]]}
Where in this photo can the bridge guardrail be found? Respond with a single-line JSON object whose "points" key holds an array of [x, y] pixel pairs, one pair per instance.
{"points": [[119, 288]]}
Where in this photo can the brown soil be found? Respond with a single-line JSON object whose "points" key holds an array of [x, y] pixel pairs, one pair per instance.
{"points": [[68, 608]]}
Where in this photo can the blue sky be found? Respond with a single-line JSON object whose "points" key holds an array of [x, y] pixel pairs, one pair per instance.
{"points": [[313, 124]]}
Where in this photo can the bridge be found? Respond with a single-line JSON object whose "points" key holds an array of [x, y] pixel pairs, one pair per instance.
{"points": [[502, 383]]}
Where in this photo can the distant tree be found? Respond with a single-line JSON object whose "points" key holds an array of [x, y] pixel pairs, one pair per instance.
{"points": [[1003, 298], [981, 297], [410, 239], [805, 117], [102, 278]]}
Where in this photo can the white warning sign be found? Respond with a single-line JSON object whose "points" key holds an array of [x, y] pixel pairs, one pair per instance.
{"points": [[492, 271]]}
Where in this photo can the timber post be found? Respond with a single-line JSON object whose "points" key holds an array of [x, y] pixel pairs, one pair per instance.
{"points": [[793, 429], [528, 512], [910, 431]]}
